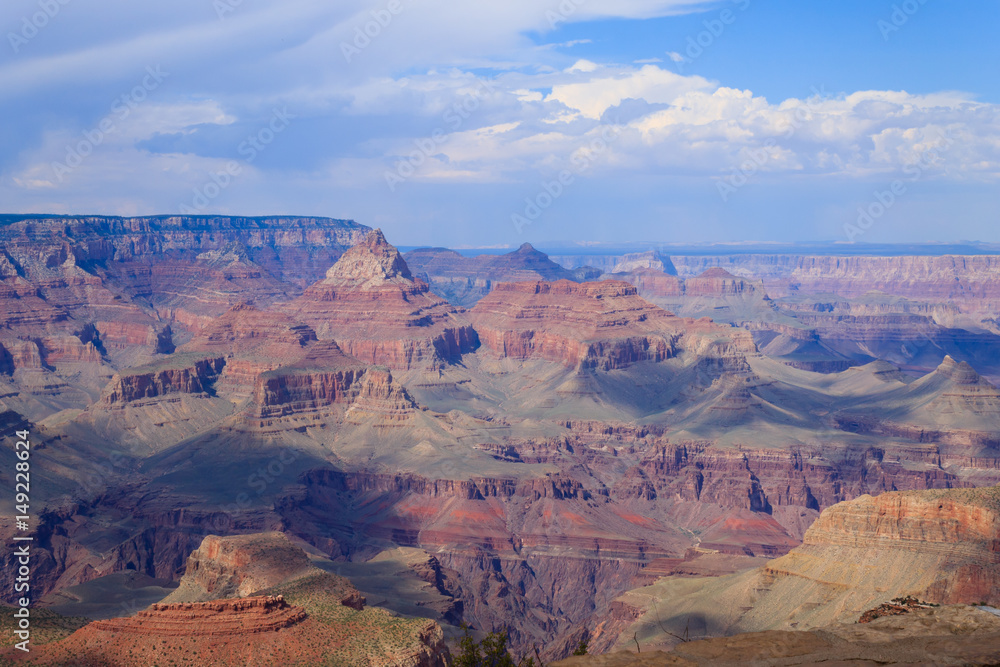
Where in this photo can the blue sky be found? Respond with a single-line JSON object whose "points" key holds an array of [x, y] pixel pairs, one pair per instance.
{"points": [[530, 120]]}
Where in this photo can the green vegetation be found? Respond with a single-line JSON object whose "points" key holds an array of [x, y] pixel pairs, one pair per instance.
{"points": [[492, 651]]}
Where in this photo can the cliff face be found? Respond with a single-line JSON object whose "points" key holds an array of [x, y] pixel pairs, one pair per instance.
{"points": [[959, 278], [278, 244], [956, 533], [375, 311], [941, 546], [83, 296], [141, 384], [238, 566], [593, 325]]}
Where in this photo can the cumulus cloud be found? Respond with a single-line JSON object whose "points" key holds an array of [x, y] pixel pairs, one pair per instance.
{"points": [[485, 83]]}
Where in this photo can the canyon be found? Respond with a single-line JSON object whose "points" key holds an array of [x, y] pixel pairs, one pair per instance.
{"points": [[524, 450]]}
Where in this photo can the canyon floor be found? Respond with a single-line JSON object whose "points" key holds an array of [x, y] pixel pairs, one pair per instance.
{"points": [[500, 441]]}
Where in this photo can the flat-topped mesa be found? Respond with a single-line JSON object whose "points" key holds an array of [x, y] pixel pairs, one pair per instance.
{"points": [[651, 260], [350, 394], [183, 374], [238, 566], [712, 283], [718, 282], [372, 307], [592, 325]]}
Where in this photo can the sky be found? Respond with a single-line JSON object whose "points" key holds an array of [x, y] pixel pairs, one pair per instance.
{"points": [[489, 123]]}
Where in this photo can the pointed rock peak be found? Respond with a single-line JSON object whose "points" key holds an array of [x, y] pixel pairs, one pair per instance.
{"points": [[372, 262], [718, 272], [376, 238], [527, 254], [959, 372]]}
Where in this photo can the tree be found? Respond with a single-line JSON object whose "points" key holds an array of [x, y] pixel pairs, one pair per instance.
{"points": [[492, 651], [581, 649]]}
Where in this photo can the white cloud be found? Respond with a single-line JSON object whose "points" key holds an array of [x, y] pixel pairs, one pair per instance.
{"points": [[650, 83]]}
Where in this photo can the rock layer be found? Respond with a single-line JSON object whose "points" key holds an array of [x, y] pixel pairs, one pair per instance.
{"points": [[592, 325], [373, 308]]}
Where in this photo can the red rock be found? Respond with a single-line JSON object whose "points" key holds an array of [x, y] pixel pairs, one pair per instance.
{"points": [[594, 325], [375, 311]]}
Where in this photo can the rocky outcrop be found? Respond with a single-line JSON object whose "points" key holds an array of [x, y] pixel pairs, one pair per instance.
{"points": [[373, 308], [650, 260], [140, 383], [238, 566], [941, 546], [602, 325], [246, 616], [957, 531]]}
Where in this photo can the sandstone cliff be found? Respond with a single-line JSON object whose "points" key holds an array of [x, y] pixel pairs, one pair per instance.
{"points": [[941, 546], [373, 308], [593, 325]]}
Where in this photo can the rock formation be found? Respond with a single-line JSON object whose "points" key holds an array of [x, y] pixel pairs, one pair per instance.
{"points": [[941, 546], [373, 308], [239, 566], [594, 325], [592, 443]]}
